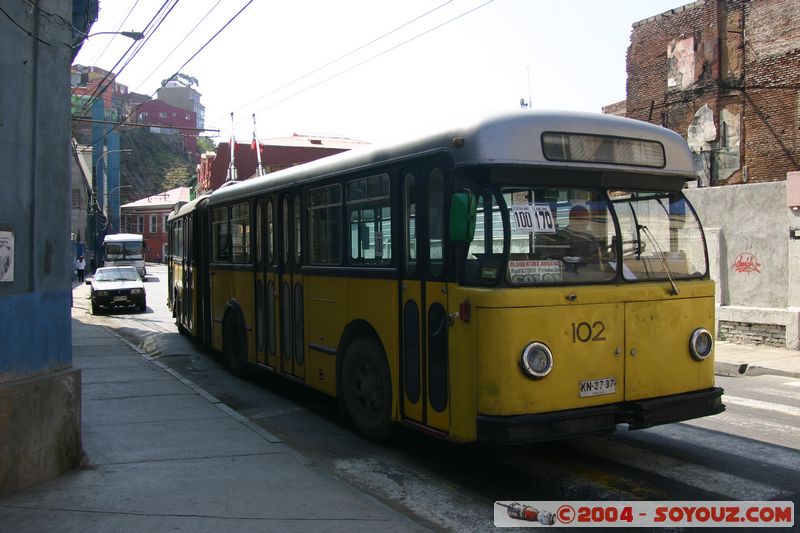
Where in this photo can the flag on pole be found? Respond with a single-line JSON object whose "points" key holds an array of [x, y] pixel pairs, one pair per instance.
{"points": [[232, 175], [257, 148], [254, 144]]}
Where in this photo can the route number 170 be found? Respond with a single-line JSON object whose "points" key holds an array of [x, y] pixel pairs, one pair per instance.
{"points": [[533, 218]]}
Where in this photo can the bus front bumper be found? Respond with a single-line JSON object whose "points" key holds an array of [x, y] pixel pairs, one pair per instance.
{"points": [[638, 414]]}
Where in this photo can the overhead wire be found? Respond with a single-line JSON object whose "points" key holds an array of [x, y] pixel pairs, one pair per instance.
{"points": [[325, 80], [116, 32], [150, 97], [99, 88], [167, 55], [28, 32], [344, 56]]}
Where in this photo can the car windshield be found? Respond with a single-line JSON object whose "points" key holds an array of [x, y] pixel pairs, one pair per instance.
{"points": [[116, 274]]}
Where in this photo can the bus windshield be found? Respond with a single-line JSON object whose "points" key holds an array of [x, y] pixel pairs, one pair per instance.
{"points": [[661, 236], [562, 235], [123, 250]]}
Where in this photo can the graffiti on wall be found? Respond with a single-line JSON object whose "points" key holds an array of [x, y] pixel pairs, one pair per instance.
{"points": [[746, 263]]}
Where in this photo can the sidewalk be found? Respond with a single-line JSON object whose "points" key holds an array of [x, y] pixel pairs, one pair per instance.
{"points": [[737, 359], [162, 454]]}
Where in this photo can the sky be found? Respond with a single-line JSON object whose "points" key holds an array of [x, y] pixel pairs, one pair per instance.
{"points": [[372, 70]]}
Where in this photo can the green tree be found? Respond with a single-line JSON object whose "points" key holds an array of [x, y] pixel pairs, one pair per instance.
{"points": [[205, 144]]}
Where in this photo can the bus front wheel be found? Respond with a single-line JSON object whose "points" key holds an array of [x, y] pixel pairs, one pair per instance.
{"points": [[367, 389]]}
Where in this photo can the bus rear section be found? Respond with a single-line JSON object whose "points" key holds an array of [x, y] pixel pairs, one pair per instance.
{"points": [[125, 249]]}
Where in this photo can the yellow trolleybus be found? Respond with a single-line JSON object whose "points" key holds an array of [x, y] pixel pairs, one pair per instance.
{"points": [[524, 277]]}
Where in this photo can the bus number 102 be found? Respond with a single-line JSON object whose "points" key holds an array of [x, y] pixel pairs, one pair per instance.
{"points": [[585, 332]]}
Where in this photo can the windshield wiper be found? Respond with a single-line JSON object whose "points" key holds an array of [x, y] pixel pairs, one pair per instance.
{"points": [[660, 255]]}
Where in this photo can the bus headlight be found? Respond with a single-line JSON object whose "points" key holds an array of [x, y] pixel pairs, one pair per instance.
{"points": [[101, 293], [700, 344], [536, 361], [137, 291]]}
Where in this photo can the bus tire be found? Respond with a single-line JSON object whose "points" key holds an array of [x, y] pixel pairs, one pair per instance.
{"points": [[233, 345], [367, 389]]}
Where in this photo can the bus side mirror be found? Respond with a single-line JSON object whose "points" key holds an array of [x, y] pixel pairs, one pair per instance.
{"points": [[463, 209]]}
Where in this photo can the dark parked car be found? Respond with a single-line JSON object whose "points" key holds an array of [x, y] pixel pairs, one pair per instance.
{"points": [[117, 287]]}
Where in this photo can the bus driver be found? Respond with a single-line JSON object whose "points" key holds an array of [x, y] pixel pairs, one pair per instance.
{"points": [[581, 242]]}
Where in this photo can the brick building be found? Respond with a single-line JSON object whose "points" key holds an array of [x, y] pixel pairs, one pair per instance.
{"points": [[148, 217], [276, 154], [725, 74]]}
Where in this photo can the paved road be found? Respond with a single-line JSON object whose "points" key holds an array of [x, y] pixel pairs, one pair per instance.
{"points": [[750, 452]]}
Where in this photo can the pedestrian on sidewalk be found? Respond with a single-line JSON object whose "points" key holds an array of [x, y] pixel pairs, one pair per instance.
{"points": [[80, 266]]}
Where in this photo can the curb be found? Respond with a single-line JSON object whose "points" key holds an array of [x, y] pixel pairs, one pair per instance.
{"points": [[258, 430], [742, 369]]}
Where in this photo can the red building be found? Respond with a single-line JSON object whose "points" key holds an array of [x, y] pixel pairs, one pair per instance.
{"points": [[149, 218], [171, 117], [276, 154]]}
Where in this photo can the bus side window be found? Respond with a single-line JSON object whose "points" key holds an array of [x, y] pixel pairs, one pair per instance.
{"points": [[220, 235], [369, 214], [324, 226], [486, 249]]}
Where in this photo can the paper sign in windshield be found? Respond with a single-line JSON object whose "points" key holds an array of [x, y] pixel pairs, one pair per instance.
{"points": [[535, 218], [533, 271]]}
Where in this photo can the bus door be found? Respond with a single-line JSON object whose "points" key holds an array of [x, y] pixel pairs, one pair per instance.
{"points": [[260, 284], [271, 282], [423, 301], [290, 288], [187, 284]]}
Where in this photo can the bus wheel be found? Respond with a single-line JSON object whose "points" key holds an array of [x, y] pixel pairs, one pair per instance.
{"points": [[233, 346], [367, 389]]}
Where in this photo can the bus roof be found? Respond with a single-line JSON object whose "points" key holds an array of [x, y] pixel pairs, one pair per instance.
{"points": [[506, 139], [123, 237], [187, 207]]}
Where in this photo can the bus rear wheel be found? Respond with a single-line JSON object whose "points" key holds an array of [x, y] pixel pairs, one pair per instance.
{"points": [[367, 389]]}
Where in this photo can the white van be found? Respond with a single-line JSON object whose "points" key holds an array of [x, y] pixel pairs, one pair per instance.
{"points": [[125, 249]]}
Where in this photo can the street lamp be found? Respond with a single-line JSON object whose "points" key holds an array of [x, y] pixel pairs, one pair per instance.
{"points": [[135, 35]]}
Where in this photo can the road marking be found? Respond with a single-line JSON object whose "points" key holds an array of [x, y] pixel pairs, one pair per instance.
{"points": [[704, 433], [694, 475], [764, 406], [758, 429]]}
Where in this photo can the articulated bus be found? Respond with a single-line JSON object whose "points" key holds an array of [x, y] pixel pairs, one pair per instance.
{"points": [[521, 278]]}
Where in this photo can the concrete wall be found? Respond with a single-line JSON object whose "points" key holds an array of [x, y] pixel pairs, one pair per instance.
{"points": [[753, 260], [35, 323]]}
